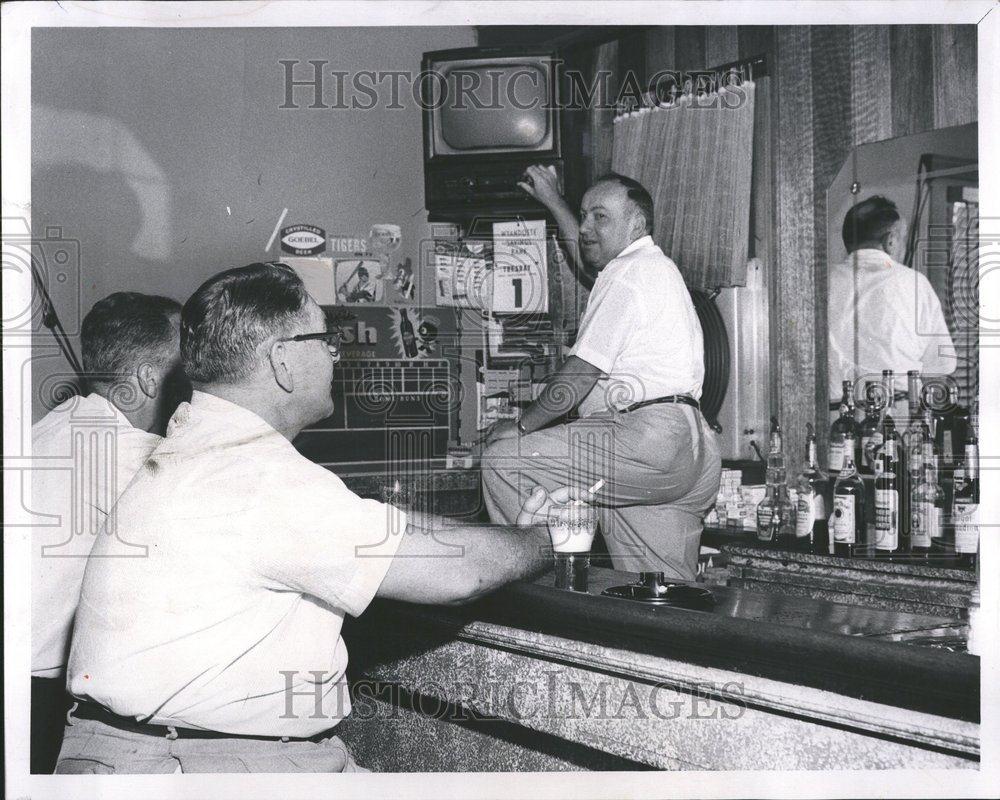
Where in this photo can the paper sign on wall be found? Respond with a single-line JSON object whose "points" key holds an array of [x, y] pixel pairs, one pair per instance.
{"points": [[462, 273], [520, 267]]}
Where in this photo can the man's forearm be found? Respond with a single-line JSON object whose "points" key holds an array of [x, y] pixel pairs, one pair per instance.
{"points": [[562, 394]]}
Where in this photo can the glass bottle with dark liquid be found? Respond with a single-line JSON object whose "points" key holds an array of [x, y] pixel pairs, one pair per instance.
{"points": [[888, 536], [847, 523], [811, 527], [965, 511], [870, 429], [926, 506], [842, 426]]}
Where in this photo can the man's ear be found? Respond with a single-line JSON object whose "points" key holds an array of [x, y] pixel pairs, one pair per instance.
{"points": [[281, 367], [638, 226], [148, 378]]}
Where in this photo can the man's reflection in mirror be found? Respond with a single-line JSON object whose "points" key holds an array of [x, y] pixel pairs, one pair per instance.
{"points": [[882, 314]]}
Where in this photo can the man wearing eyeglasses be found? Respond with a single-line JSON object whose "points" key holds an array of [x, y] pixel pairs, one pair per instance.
{"points": [[220, 650]]}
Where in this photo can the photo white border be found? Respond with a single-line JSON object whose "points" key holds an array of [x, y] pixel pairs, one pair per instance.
{"points": [[19, 18]]}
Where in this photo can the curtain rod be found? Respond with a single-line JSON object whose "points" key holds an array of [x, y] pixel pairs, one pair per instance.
{"points": [[671, 83]]}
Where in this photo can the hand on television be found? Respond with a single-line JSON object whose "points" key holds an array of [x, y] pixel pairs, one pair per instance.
{"points": [[542, 183]]}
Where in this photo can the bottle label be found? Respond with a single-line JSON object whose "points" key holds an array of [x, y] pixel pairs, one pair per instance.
{"points": [[843, 518], [836, 460], [764, 532], [966, 527], [886, 519], [805, 517], [925, 523]]}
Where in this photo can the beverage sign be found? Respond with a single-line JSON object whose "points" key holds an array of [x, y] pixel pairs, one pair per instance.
{"points": [[303, 240]]}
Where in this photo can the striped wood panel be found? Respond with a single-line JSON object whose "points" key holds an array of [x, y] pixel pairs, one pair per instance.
{"points": [[955, 76], [793, 321]]}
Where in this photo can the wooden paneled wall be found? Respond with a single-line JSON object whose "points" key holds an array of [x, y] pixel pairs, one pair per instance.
{"points": [[831, 88]]}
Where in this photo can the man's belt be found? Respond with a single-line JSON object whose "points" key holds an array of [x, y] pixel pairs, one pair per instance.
{"points": [[98, 713], [686, 399]]}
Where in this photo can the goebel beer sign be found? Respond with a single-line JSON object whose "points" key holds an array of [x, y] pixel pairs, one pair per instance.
{"points": [[303, 240]]}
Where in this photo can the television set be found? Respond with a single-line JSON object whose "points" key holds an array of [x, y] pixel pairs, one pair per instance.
{"points": [[488, 114]]}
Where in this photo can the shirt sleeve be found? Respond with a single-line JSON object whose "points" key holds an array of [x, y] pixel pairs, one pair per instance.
{"points": [[939, 356], [335, 545], [606, 327]]}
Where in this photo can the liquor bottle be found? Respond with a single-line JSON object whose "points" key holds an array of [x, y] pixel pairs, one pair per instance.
{"points": [[842, 426], [407, 335], [951, 422], [913, 396], [965, 512], [888, 535], [811, 527], [775, 455], [889, 389], [870, 430], [926, 506], [847, 523], [776, 517]]}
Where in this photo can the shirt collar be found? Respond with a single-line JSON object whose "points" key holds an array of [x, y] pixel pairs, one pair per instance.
{"points": [[219, 421], [639, 244], [870, 259]]}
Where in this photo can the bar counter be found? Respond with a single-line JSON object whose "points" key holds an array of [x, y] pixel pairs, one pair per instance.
{"points": [[535, 677]]}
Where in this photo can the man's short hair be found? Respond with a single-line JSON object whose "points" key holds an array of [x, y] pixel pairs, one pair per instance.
{"points": [[636, 193], [225, 322], [869, 222], [124, 330]]}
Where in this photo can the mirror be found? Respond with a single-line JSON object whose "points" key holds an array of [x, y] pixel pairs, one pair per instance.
{"points": [[932, 178]]}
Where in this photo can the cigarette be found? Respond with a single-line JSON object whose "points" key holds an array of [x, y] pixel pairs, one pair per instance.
{"points": [[596, 487]]}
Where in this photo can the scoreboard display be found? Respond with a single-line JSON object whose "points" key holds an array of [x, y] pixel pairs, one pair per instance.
{"points": [[396, 391]]}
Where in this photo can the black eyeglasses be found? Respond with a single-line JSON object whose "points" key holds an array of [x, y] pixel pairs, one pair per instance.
{"points": [[332, 339]]}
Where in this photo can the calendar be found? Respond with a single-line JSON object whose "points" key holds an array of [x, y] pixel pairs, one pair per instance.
{"points": [[520, 268]]}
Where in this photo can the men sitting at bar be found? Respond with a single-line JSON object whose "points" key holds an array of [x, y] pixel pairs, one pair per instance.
{"points": [[221, 649], [635, 372], [882, 314], [85, 452]]}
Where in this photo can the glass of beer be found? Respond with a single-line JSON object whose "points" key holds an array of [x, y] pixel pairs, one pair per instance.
{"points": [[571, 528]]}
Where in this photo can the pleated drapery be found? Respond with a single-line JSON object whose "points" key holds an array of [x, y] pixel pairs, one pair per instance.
{"points": [[695, 157]]}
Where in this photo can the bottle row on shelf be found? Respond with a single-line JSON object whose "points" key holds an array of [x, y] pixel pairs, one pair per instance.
{"points": [[884, 494]]}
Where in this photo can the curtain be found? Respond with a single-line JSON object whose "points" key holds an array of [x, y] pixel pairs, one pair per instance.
{"points": [[695, 157]]}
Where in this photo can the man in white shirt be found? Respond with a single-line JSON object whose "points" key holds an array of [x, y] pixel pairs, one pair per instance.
{"points": [[220, 649], [882, 314], [635, 373], [84, 453]]}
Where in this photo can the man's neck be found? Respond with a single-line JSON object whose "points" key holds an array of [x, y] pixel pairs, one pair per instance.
{"points": [[249, 396], [141, 415]]}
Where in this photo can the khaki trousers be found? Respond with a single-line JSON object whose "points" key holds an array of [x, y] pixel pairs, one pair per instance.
{"points": [[91, 747], [661, 467]]}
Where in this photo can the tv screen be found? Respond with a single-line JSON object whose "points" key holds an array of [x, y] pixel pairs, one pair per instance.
{"points": [[495, 105]]}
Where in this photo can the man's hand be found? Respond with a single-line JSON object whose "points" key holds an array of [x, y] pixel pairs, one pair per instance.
{"points": [[506, 429], [538, 506], [542, 183]]}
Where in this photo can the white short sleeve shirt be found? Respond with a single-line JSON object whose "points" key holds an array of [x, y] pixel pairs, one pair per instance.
{"points": [[84, 453], [640, 328], [230, 619], [884, 315]]}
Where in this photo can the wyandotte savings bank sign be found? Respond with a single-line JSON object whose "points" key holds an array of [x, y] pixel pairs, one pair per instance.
{"points": [[303, 240]]}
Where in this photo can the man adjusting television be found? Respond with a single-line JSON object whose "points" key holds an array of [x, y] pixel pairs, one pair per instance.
{"points": [[634, 376]]}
